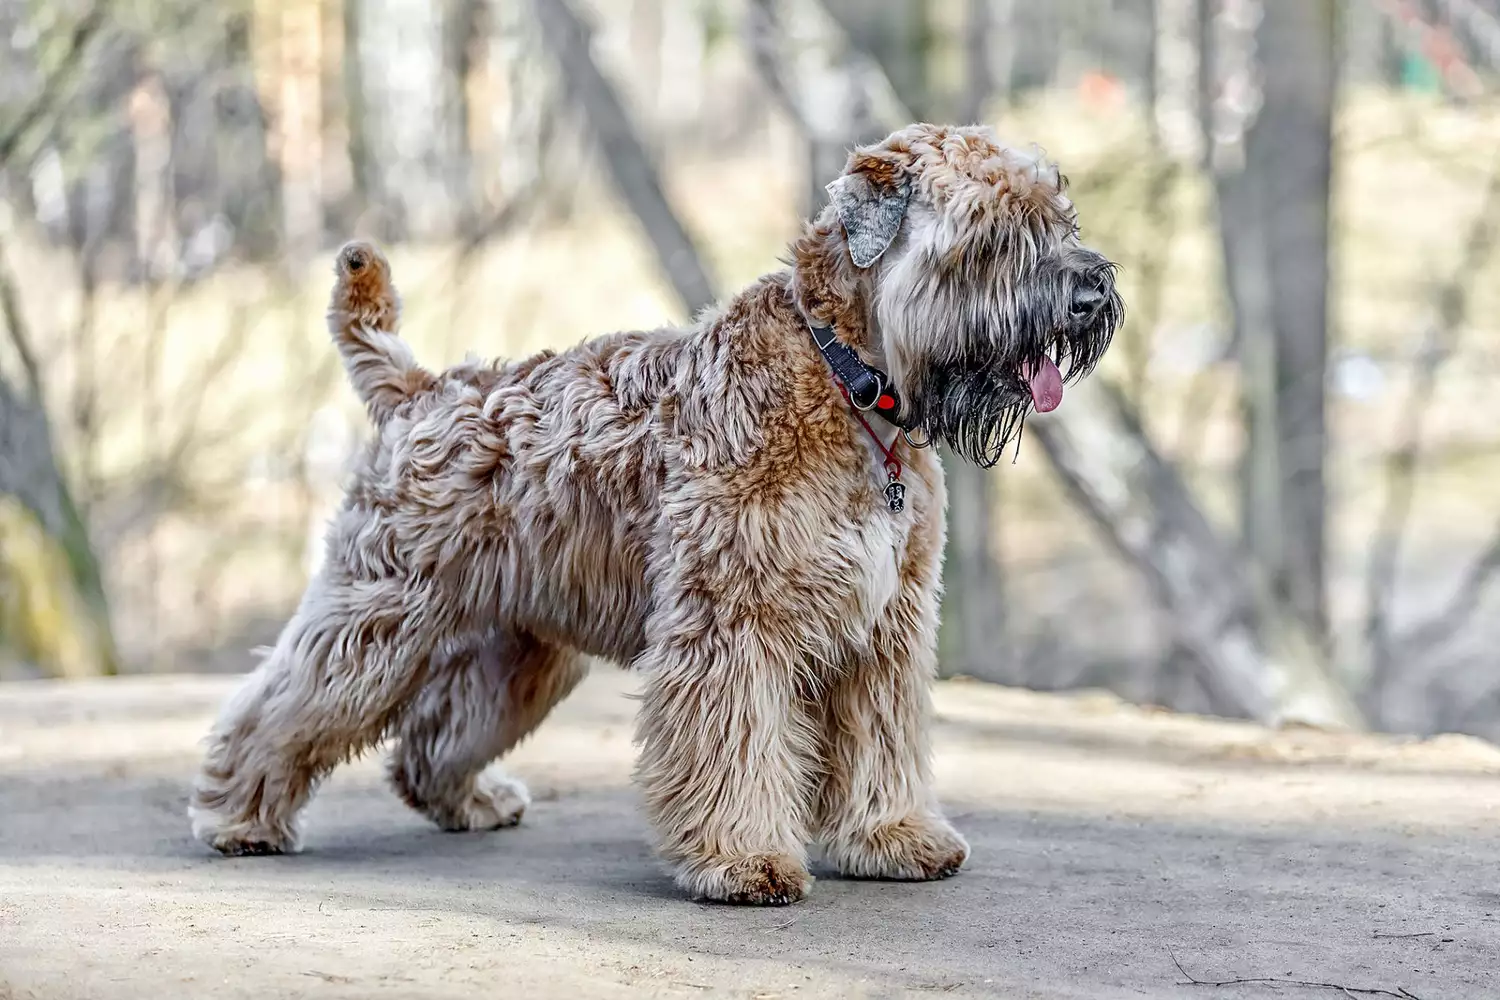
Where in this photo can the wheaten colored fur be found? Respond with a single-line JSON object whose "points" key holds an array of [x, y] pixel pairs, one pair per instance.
{"points": [[698, 504]]}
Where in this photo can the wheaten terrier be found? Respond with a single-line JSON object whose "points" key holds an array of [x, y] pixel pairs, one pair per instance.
{"points": [[709, 506]]}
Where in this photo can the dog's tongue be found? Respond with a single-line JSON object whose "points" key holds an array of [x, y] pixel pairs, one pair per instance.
{"points": [[1046, 384]]}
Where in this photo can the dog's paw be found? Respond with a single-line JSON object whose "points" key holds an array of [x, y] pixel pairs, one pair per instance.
{"points": [[753, 880], [245, 839], [496, 800], [916, 849]]}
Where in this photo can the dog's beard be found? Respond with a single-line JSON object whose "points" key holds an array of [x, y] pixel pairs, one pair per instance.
{"points": [[975, 412]]}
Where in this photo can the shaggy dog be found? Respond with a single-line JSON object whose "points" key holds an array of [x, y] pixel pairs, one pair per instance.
{"points": [[708, 505]]}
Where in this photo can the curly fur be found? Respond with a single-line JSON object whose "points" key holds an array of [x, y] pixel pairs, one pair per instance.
{"points": [[698, 504]]}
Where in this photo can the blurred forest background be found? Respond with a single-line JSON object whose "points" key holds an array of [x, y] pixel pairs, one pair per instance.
{"points": [[1277, 499]]}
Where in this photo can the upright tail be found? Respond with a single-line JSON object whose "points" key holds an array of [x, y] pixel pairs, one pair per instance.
{"points": [[364, 315]]}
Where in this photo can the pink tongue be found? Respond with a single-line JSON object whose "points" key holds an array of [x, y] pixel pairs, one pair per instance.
{"points": [[1046, 385]]}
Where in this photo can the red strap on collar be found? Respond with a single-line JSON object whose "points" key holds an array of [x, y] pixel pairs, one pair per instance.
{"points": [[892, 463]]}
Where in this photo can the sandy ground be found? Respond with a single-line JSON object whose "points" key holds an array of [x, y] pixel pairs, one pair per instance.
{"points": [[1107, 840]]}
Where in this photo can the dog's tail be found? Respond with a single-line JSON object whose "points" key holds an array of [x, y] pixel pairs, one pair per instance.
{"points": [[364, 316]]}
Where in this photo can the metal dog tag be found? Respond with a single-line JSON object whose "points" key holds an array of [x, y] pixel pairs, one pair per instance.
{"points": [[895, 495]]}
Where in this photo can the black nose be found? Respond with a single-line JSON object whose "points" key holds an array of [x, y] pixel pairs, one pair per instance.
{"points": [[1087, 298]]}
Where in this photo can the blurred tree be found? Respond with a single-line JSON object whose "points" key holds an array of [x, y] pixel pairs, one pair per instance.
{"points": [[226, 191], [859, 50], [53, 611], [837, 94], [895, 33], [409, 115], [1038, 46], [1274, 70], [624, 154]]}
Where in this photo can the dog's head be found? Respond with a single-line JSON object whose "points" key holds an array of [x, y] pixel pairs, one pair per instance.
{"points": [[980, 295]]}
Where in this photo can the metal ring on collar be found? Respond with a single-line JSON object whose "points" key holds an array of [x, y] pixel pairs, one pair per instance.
{"points": [[879, 391], [907, 435]]}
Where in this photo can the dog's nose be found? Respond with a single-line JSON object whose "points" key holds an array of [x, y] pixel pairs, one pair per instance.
{"points": [[1087, 298]]}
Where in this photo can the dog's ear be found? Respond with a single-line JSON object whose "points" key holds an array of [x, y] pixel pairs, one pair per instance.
{"points": [[871, 207]]}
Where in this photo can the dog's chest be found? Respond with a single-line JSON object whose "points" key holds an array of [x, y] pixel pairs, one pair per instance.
{"points": [[881, 545], [878, 541]]}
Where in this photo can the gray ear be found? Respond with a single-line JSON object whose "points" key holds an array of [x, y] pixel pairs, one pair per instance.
{"points": [[871, 214]]}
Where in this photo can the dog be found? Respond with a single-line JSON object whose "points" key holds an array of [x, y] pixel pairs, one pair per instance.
{"points": [[748, 512]]}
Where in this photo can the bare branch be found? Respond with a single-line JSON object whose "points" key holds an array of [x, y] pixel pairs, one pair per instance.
{"points": [[1400, 993], [834, 91], [51, 90], [15, 326], [624, 154], [1135, 496], [1460, 607], [1452, 308], [1158, 232]]}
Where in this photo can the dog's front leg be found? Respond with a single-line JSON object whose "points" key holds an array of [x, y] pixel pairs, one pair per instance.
{"points": [[878, 815], [725, 763]]}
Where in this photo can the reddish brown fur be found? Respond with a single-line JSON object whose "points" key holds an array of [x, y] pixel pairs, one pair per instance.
{"points": [[699, 504]]}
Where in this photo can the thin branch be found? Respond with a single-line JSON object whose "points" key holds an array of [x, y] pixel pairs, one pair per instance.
{"points": [[1439, 344], [761, 35], [1115, 476], [1400, 993], [624, 154], [502, 220], [500, 223], [51, 89], [15, 326], [854, 97], [1460, 607]]}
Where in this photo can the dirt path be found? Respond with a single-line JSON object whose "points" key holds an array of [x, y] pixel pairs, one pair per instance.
{"points": [[1106, 841]]}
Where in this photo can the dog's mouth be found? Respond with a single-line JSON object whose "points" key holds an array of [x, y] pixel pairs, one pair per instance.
{"points": [[979, 409], [1045, 382]]}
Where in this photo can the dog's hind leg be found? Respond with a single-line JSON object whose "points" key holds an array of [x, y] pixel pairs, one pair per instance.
{"points": [[479, 701], [352, 654]]}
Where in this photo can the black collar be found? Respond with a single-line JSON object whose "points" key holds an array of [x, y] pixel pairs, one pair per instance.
{"points": [[869, 388]]}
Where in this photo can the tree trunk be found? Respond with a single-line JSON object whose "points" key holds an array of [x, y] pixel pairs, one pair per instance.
{"points": [[409, 142], [1295, 151], [460, 28], [894, 34], [222, 171], [973, 636], [835, 91], [53, 609], [1280, 200], [366, 180], [1037, 48]]}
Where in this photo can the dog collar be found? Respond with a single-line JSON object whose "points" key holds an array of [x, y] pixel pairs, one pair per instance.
{"points": [[867, 388]]}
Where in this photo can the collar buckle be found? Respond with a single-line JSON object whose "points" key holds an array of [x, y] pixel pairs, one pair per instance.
{"points": [[867, 388]]}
